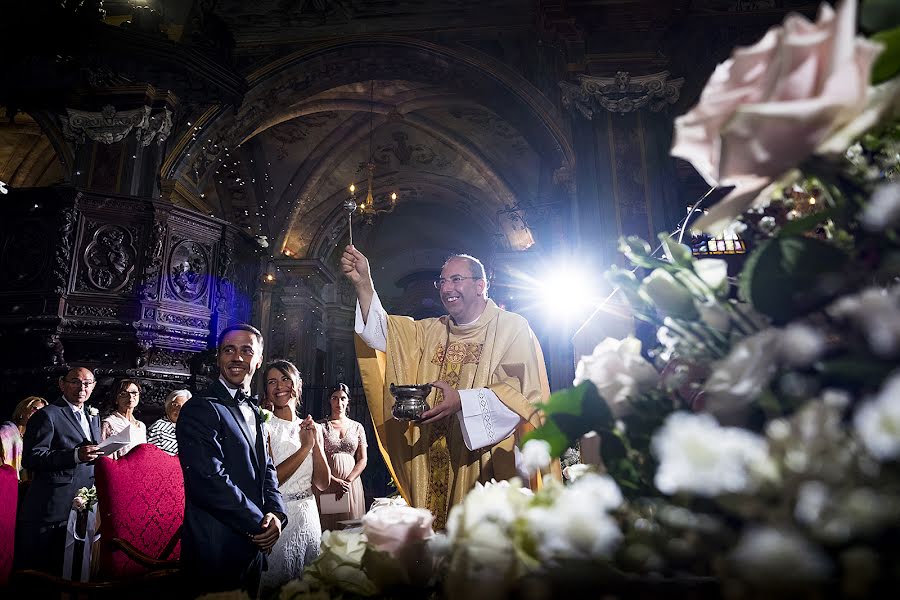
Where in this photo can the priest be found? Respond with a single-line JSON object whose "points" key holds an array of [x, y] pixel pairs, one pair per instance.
{"points": [[488, 373]]}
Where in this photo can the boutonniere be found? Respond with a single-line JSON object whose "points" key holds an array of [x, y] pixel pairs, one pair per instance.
{"points": [[265, 415], [92, 412]]}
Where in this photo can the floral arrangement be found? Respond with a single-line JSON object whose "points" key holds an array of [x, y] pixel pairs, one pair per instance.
{"points": [[265, 415], [750, 428], [92, 411], [85, 500]]}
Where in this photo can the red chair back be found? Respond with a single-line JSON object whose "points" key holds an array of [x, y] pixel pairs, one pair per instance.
{"points": [[141, 500], [9, 498]]}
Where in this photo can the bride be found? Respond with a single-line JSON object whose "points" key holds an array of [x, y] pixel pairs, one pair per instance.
{"points": [[296, 448]]}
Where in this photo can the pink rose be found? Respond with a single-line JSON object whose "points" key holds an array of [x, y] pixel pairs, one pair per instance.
{"points": [[771, 105], [391, 528]]}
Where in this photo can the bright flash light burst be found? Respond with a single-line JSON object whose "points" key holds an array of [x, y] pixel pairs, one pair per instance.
{"points": [[562, 293]]}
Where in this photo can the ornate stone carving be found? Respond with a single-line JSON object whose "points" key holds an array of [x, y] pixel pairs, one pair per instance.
{"points": [[156, 127], [621, 94], [488, 121], [106, 126], [57, 351], [182, 320], [86, 310], [65, 235], [188, 270], [404, 153], [295, 130], [109, 126], [565, 176], [153, 261], [170, 358], [110, 258]]}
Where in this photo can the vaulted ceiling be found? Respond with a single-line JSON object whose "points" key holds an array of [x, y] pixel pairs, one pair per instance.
{"points": [[455, 102]]}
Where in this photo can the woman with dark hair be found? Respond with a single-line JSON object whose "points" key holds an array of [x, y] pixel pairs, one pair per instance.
{"points": [[126, 395], [345, 448], [296, 448]]}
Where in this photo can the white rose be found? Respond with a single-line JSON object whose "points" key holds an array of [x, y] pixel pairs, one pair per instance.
{"points": [[876, 311], [883, 209], [496, 502], [618, 371], [877, 421], [738, 379], [573, 472], [340, 562], [714, 273], [535, 456], [390, 528], [697, 455], [773, 556], [801, 345], [580, 531], [773, 104], [668, 295]]}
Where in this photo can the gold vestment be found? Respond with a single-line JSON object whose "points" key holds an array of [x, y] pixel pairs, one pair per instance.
{"points": [[430, 464]]}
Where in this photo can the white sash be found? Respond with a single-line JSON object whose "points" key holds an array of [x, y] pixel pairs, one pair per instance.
{"points": [[90, 536]]}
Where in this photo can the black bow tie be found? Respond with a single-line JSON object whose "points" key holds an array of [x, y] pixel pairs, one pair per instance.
{"points": [[240, 396]]}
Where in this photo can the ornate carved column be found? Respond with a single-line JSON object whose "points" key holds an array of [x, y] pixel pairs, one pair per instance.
{"points": [[297, 324], [125, 286], [118, 137], [622, 136]]}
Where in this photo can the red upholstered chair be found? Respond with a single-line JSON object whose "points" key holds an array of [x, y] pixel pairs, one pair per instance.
{"points": [[9, 497], [141, 502]]}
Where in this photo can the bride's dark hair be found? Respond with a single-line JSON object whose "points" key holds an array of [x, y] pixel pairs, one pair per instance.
{"points": [[286, 367]]}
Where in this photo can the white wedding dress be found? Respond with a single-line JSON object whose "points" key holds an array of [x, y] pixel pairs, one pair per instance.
{"points": [[299, 542]]}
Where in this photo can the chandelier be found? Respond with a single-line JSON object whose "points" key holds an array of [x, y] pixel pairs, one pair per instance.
{"points": [[369, 208]]}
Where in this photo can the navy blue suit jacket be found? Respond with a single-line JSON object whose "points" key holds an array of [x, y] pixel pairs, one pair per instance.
{"points": [[51, 437], [229, 485]]}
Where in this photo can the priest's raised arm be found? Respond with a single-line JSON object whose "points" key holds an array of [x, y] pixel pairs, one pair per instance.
{"points": [[487, 368]]}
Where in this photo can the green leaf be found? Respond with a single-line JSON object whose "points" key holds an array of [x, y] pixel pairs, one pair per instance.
{"points": [[638, 252], [571, 413], [856, 370], [807, 223], [788, 276], [679, 254], [878, 15], [888, 63]]}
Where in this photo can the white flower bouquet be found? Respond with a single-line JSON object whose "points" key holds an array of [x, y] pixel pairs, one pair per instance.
{"points": [[85, 500], [753, 422]]}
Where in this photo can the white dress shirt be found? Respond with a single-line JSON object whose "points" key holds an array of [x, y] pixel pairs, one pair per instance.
{"points": [[84, 419], [247, 411]]}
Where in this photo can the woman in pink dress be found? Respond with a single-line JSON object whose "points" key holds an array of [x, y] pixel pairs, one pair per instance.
{"points": [[345, 449]]}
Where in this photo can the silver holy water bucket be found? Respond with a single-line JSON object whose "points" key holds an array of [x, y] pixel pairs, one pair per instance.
{"points": [[409, 401]]}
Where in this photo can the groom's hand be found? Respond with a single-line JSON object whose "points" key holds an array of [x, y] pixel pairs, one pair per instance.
{"points": [[271, 529]]}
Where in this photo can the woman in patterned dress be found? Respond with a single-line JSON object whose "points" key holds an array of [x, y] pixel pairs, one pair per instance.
{"points": [[345, 448], [162, 433], [296, 448]]}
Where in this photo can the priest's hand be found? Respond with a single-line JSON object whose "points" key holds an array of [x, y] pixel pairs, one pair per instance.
{"points": [[355, 267], [451, 405]]}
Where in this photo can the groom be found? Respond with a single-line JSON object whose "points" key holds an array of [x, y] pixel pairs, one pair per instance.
{"points": [[233, 511]]}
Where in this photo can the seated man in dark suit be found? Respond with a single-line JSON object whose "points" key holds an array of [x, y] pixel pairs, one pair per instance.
{"points": [[60, 443], [233, 511]]}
